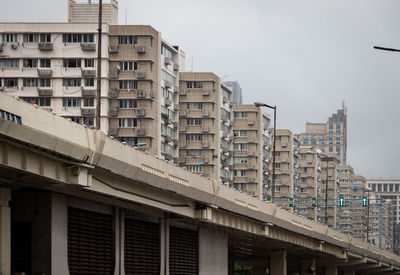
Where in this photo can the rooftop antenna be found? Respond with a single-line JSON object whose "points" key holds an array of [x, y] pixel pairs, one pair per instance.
{"points": [[192, 62], [126, 15]]}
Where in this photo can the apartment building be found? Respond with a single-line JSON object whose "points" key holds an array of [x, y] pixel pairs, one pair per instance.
{"points": [[205, 125], [309, 181], [286, 166], [345, 213], [250, 149], [330, 178], [329, 137], [359, 211], [389, 189], [54, 66]]}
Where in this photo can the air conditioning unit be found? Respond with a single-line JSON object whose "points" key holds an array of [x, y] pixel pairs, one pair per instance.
{"points": [[113, 49], [205, 113], [113, 113], [181, 159], [88, 46], [88, 73], [205, 92], [167, 61], [113, 132], [45, 92], [14, 46], [113, 75], [141, 113], [182, 92], [45, 46], [140, 75], [141, 132], [309, 161], [205, 145], [140, 49], [45, 73], [88, 111], [176, 107], [284, 144], [176, 67], [250, 140], [141, 94], [167, 102], [182, 129], [167, 84], [183, 113], [113, 93], [225, 99], [204, 129], [251, 122], [88, 93]]}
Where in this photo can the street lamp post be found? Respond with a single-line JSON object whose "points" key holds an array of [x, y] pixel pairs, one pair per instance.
{"points": [[258, 104], [326, 159]]}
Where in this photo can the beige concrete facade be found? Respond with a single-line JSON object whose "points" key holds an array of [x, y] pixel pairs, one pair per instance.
{"points": [[286, 166], [309, 181], [88, 12], [329, 137], [251, 149], [205, 130]]}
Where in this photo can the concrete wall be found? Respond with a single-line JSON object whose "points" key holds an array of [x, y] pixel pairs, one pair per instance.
{"points": [[213, 252]]}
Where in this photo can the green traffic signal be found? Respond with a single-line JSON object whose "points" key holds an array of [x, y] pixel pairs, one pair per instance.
{"points": [[314, 202], [290, 202]]}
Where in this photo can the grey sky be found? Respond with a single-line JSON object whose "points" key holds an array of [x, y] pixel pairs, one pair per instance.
{"points": [[303, 56]]}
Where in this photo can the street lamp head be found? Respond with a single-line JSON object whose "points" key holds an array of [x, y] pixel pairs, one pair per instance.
{"points": [[259, 104]]}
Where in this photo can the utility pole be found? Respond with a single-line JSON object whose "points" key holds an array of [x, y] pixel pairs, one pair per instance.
{"points": [[98, 94]]}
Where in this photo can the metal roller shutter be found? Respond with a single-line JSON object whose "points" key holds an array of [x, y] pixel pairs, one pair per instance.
{"points": [[183, 251], [142, 248], [90, 244]]}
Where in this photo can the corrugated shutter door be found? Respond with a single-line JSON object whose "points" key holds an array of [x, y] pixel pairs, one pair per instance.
{"points": [[183, 251], [90, 245], [142, 248]]}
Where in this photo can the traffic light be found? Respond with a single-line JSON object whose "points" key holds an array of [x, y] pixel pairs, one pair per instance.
{"points": [[387, 245], [290, 202], [341, 201], [364, 201], [314, 202], [269, 200]]}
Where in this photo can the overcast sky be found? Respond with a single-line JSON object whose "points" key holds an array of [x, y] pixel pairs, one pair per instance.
{"points": [[305, 56]]}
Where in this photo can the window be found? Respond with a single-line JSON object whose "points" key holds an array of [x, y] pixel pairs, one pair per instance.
{"points": [[194, 137], [72, 82], [193, 153], [277, 188], [44, 82], [11, 82], [127, 39], [127, 103], [240, 160], [88, 121], [194, 85], [277, 165], [45, 63], [30, 63], [10, 37], [71, 102], [30, 82], [89, 82], [168, 77], [72, 63], [194, 168], [240, 114], [239, 173], [88, 102], [89, 63], [8, 63], [131, 141], [167, 52], [330, 149], [240, 133], [128, 66], [240, 146], [41, 101], [277, 138], [194, 105], [76, 119], [128, 84], [127, 122], [36, 37], [277, 153], [194, 121], [78, 37]]}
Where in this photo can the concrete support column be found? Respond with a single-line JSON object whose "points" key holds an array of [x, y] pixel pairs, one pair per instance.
{"points": [[331, 270], [213, 252], [164, 246], [278, 263], [5, 231], [308, 267]]}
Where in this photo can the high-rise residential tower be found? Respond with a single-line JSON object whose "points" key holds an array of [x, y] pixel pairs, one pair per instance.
{"points": [[237, 91]]}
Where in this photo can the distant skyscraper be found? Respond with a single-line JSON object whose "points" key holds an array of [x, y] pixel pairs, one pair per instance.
{"points": [[329, 137], [237, 91]]}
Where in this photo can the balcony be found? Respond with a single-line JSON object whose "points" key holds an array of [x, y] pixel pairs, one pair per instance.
{"points": [[113, 49], [167, 102], [205, 92], [167, 84], [140, 48], [45, 46], [45, 73], [1, 47], [113, 93], [176, 67], [88, 93], [88, 73], [90, 47], [88, 111], [45, 92]]}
